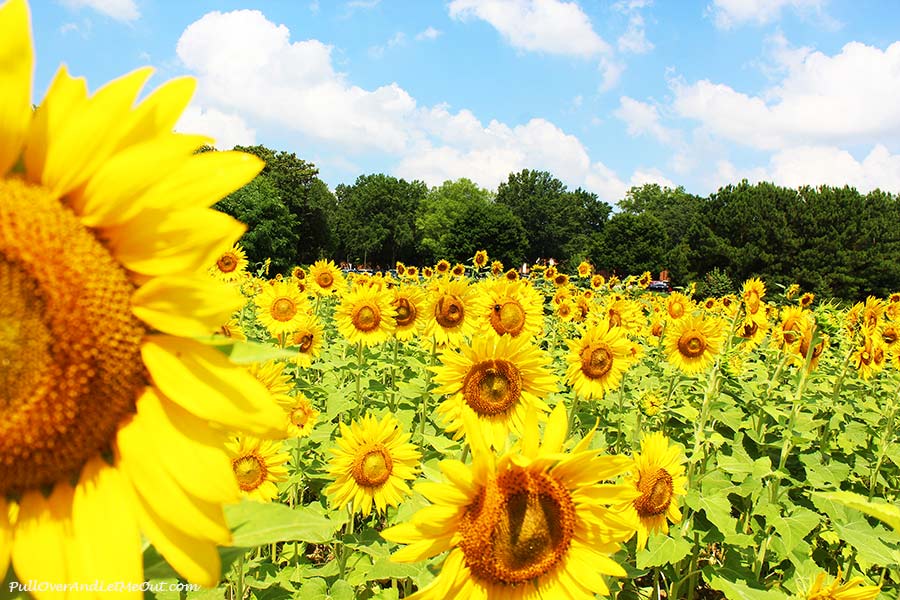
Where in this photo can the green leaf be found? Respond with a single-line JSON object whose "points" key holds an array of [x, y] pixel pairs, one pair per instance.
{"points": [[663, 550], [794, 527], [341, 590], [884, 512], [867, 541], [734, 587], [245, 352], [254, 524]]}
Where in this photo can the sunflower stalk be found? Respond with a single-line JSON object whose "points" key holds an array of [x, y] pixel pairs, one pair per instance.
{"points": [[360, 364], [885, 442], [825, 445]]}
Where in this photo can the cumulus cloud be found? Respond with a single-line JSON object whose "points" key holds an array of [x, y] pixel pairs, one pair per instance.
{"points": [[610, 187], [643, 119], [848, 98], [548, 26], [228, 130], [727, 14], [429, 33], [125, 11]]}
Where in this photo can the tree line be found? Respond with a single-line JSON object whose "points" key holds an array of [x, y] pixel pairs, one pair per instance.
{"points": [[832, 241]]}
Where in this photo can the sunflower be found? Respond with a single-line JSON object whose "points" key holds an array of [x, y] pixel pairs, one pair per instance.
{"points": [[480, 259], [658, 474], [550, 273], [298, 273], [427, 272], [112, 414], [872, 314], [231, 265], [308, 339], [802, 349], [496, 268], [511, 275], [442, 267], [326, 278], [509, 308], [409, 303], [597, 360], [258, 465], [458, 270], [495, 380], [561, 280], [751, 332], [372, 462], [532, 523], [870, 357], [366, 315], [807, 299], [620, 312], [693, 343], [598, 281], [678, 305], [232, 330], [793, 321], [448, 318], [400, 268], [565, 310], [301, 416], [271, 374], [585, 269], [281, 307], [854, 589], [412, 272], [752, 293], [792, 291]]}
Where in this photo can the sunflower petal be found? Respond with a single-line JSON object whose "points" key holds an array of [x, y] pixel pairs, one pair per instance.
{"points": [[84, 143], [203, 381], [160, 110], [165, 242], [43, 548], [556, 430], [162, 493], [6, 531], [110, 196], [100, 507], [195, 559], [190, 307], [203, 180], [17, 58]]}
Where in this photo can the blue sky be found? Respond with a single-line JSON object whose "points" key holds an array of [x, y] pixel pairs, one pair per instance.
{"points": [[603, 94]]}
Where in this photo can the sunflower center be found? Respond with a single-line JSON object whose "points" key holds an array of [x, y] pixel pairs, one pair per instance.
{"points": [[889, 336], [596, 361], [300, 416], [325, 279], [227, 262], [508, 316], [449, 312], [70, 362], [753, 303], [656, 493], [615, 319], [406, 312], [250, 471], [283, 309], [373, 467], [366, 317], [492, 387], [691, 344], [306, 342], [519, 527], [676, 310], [749, 330]]}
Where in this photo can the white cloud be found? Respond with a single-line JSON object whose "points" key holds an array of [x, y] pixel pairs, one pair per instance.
{"points": [[548, 26], [120, 10], [398, 39], [848, 98], [642, 118], [733, 13], [634, 40], [611, 70], [611, 188], [228, 130], [429, 33]]}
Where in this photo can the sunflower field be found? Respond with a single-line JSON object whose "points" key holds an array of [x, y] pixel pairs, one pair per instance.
{"points": [[458, 431]]}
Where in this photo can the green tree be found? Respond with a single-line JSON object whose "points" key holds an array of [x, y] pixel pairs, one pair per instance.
{"points": [[631, 244]]}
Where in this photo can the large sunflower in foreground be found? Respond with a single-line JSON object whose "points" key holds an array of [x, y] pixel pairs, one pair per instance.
{"points": [[495, 381], [658, 474], [105, 238], [529, 524], [372, 462], [598, 359], [693, 343]]}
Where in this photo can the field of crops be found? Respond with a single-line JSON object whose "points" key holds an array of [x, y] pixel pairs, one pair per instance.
{"points": [[465, 432]]}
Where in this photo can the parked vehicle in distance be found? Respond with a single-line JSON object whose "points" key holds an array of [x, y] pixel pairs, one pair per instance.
{"points": [[659, 286]]}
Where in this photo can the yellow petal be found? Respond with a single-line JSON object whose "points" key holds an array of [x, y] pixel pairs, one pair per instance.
{"points": [[106, 528], [160, 110], [5, 537], [164, 242], [556, 430], [203, 180], [138, 460], [65, 97], [203, 381], [189, 449], [189, 307], [194, 559], [43, 544], [16, 72], [110, 197], [84, 142]]}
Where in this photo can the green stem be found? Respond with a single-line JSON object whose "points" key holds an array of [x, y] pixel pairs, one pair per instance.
{"points": [[572, 412], [239, 584], [393, 401], [620, 415], [360, 358], [885, 442], [423, 405]]}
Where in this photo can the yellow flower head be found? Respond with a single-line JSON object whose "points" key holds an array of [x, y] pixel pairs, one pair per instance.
{"points": [[448, 314], [585, 269], [496, 381], [854, 589], [258, 465], [301, 416], [693, 343], [231, 265], [106, 236], [367, 316], [598, 281], [442, 267], [326, 278], [598, 360], [280, 307], [409, 303], [807, 299], [496, 268], [308, 339], [753, 292], [505, 307], [532, 523], [480, 259], [372, 462]]}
